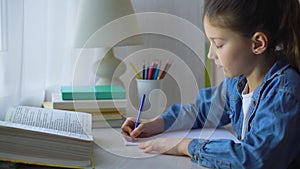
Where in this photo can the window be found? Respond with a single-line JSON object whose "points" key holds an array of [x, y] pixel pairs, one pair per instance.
{"points": [[3, 25]]}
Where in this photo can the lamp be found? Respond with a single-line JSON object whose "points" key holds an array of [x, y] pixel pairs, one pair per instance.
{"points": [[102, 24]]}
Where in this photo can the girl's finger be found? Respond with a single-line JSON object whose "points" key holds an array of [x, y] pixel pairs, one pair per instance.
{"points": [[126, 130], [137, 132]]}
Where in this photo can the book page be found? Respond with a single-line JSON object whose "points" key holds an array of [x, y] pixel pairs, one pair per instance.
{"points": [[51, 121], [208, 134]]}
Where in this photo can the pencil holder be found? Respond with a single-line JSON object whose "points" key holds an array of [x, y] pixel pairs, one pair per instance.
{"points": [[154, 94]]}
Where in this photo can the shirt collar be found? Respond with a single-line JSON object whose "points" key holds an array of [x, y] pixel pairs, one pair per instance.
{"points": [[278, 67]]}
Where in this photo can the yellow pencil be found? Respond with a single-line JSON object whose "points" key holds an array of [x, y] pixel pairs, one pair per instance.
{"points": [[135, 71]]}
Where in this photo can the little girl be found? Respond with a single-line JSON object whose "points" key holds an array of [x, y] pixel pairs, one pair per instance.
{"points": [[256, 43]]}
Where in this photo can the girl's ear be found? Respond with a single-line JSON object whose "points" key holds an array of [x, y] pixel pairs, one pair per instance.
{"points": [[260, 43]]}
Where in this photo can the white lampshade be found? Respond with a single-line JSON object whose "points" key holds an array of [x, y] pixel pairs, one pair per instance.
{"points": [[100, 24], [106, 24]]}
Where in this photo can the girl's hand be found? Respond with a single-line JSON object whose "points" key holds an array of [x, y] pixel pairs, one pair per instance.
{"points": [[172, 146], [145, 128]]}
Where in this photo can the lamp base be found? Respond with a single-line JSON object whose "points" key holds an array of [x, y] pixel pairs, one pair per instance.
{"points": [[108, 69], [108, 81]]}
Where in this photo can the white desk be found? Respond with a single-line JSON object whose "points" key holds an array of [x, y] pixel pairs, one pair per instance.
{"points": [[110, 153]]}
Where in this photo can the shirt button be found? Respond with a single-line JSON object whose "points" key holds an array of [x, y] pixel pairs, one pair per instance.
{"points": [[254, 103], [195, 157]]}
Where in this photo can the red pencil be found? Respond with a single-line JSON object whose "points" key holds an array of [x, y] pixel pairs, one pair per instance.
{"points": [[163, 73], [151, 70]]}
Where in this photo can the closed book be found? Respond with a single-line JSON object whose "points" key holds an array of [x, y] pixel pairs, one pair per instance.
{"points": [[92, 105], [93, 92], [107, 116], [108, 123]]}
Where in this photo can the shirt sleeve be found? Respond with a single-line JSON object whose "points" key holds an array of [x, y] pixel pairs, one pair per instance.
{"points": [[207, 111], [272, 142]]}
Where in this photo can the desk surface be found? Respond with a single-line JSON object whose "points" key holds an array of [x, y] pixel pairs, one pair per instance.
{"points": [[110, 153]]}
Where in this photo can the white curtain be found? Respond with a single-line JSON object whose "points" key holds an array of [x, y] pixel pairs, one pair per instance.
{"points": [[38, 55]]}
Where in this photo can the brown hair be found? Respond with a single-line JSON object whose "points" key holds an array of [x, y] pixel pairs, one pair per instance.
{"points": [[278, 19]]}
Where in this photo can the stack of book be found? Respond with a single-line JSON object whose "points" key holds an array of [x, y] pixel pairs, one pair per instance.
{"points": [[107, 104]]}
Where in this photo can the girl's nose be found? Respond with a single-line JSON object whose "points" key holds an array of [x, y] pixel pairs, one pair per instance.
{"points": [[211, 53]]}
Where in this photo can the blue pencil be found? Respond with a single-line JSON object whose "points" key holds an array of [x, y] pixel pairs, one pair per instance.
{"points": [[156, 73], [147, 73]]}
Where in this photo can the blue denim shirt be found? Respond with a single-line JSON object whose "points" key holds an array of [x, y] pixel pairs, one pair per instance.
{"points": [[272, 138]]}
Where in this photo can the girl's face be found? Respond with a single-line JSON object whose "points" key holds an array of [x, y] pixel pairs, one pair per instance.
{"points": [[230, 51]]}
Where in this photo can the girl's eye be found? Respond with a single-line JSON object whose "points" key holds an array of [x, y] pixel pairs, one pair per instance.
{"points": [[219, 46], [217, 43]]}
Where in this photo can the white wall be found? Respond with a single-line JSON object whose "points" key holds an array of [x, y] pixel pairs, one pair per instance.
{"points": [[170, 29]]}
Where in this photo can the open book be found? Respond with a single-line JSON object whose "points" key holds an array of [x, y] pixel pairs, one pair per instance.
{"points": [[46, 137]]}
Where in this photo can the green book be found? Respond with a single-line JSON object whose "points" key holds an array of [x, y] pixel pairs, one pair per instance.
{"points": [[92, 92]]}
